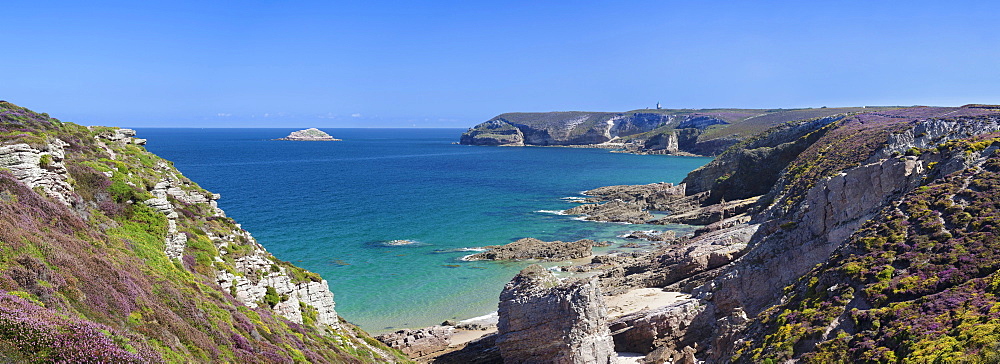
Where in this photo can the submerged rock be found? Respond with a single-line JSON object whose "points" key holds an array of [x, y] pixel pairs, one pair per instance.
{"points": [[311, 134], [543, 320]]}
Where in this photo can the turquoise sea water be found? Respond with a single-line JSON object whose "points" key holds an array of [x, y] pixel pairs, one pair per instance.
{"points": [[330, 207]]}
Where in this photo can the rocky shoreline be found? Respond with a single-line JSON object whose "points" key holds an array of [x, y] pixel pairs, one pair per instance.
{"points": [[771, 274]]}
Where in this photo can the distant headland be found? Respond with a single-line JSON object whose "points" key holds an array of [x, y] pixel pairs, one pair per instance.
{"points": [[311, 134]]}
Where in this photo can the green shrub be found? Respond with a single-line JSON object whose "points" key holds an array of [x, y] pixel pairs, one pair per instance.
{"points": [[271, 297], [45, 161]]}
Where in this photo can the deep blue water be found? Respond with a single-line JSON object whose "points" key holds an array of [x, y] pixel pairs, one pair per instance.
{"points": [[330, 207]]}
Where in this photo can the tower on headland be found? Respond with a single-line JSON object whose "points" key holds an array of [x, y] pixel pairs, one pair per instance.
{"points": [[658, 105]]}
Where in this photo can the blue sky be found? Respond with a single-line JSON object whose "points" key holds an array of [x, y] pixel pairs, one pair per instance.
{"points": [[457, 63]]}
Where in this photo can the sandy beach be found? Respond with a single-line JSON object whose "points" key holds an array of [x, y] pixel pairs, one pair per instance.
{"points": [[640, 299]]}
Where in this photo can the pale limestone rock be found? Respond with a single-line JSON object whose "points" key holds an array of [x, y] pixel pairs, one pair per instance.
{"points": [[25, 163], [259, 263], [251, 293]]}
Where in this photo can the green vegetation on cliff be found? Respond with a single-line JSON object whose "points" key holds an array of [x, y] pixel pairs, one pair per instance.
{"points": [[919, 282], [914, 279], [84, 270]]}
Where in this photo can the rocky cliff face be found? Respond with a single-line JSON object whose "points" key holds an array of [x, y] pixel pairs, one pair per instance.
{"points": [[565, 128], [494, 132], [96, 228], [752, 167], [686, 132], [842, 175], [543, 320], [916, 282]]}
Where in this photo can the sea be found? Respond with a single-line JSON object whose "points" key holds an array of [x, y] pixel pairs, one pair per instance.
{"points": [[339, 208]]}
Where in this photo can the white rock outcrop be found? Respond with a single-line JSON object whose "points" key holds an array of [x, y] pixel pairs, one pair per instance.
{"points": [[41, 168], [254, 271]]}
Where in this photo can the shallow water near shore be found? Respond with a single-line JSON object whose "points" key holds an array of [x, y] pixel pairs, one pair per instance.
{"points": [[341, 209]]}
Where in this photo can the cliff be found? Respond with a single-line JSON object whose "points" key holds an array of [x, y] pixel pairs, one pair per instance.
{"points": [[700, 132], [862, 223], [110, 254]]}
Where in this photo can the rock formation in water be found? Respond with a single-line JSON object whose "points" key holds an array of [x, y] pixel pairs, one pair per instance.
{"points": [[112, 255], [531, 248], [543, 320], [311, 134], [631, 204]]}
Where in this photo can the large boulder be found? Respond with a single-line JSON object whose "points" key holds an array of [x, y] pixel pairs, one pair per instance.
{"points": [[543, 320]]}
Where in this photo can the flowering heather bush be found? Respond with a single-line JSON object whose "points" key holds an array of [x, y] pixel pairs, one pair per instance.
{"points": [[41, 335], [920, 283]]}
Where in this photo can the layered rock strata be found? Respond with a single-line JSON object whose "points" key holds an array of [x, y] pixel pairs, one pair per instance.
{"points": [[40, 167], [667, 326], [420, 342], [543, 320]]}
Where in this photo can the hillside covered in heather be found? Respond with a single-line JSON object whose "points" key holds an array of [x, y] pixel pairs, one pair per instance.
{"points": [[868, 237], [109, 254]]}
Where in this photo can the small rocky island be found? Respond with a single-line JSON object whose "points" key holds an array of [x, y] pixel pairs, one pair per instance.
{"points": [[311, 134]]}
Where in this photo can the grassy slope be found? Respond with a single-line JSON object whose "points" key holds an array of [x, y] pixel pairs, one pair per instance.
{"points": [[92, 282]]}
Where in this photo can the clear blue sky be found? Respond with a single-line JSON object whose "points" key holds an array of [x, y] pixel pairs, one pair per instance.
{"points": [[457, 63]]}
